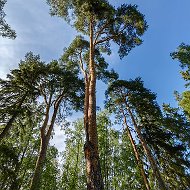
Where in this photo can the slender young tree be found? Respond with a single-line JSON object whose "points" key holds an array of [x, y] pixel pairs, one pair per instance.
{"points": [[102, 23], [119, 169], [24, 144], [73, 176]]}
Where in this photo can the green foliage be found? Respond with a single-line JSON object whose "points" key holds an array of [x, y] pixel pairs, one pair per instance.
{"points": [[117, 161], [73, 176], [25, 145], [124, 25], [50, 176], [176, 120], [8, 162], [76, 56], [182, 54], [178, 125], [19, 89], [5, 29], [59, 81], [167, 136], [34, 79], [19, 153], [185, 102]]}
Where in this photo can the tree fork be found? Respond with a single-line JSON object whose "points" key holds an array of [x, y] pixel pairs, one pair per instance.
{"points": [[35, 183]]}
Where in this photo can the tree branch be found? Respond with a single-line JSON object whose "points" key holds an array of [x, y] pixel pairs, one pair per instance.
{"points": [[110, 37], [81, 63], [98, 33]]}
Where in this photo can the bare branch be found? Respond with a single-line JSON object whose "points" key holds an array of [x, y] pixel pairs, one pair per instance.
{"points": [[105, 39]]}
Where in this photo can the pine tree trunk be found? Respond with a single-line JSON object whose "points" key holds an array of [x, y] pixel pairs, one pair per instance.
{"points": [[86, 106], [137, 156], [94, 177], [45, 138], [151, 159], [35, 184]]}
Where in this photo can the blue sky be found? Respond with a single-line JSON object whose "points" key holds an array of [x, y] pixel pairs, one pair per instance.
{"points": [[168, 24]]}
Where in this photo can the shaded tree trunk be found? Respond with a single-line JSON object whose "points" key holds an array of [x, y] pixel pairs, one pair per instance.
{"points": [[94, 176], [151, 159], [137, 156]]}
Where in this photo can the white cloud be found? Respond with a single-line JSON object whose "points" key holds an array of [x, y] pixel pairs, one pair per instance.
{"points": [[58, 139], [7, 59], [59, 133]]}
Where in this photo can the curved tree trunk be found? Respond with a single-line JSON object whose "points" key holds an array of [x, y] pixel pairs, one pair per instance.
{"points": [[137, 156], [151, 159], [45, 138], [94, 177]]}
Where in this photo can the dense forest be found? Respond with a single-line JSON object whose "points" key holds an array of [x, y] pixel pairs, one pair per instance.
{"points": [[131, 143]]}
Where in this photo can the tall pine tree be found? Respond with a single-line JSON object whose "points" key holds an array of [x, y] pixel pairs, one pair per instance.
{"points": [[102, 23]]}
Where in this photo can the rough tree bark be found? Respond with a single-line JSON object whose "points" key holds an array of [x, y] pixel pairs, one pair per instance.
{"points": [[94, 177]]}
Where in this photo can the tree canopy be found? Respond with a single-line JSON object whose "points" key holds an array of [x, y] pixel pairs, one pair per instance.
{"points": [[134, 143]]}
